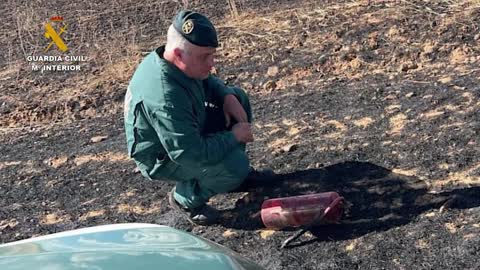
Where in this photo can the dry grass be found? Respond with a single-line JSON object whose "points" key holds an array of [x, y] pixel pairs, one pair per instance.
{"points": [[233, 7]]}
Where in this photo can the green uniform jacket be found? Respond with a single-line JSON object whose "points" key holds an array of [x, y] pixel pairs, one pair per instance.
{"points": [[165, 118]]}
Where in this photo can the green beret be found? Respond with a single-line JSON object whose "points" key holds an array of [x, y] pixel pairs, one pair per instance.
{"points": [[196, 28]]}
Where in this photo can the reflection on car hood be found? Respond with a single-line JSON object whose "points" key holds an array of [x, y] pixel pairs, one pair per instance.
{"points": [[120, 246]]}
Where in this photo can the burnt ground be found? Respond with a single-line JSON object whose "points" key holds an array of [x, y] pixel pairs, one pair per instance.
{"points": [[376, 100]]}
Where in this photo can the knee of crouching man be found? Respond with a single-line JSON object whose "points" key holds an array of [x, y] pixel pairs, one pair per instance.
{"points": [[237, 165]]}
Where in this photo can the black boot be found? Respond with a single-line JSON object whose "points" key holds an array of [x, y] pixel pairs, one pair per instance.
{"points": [[204, 215], [260, 177], [257, 178]]}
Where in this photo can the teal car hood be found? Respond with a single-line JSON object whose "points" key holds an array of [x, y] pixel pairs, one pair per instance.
{"points": [[120, 246]]}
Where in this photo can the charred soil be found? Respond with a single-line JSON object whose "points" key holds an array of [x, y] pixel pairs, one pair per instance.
{"points": [[376, 100]]}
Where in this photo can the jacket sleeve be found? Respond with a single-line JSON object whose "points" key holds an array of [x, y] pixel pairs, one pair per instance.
{"points": [[179, 131], [217, 89]]}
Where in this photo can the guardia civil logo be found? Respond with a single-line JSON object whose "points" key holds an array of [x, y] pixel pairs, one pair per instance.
{"points": [[53, 35], [187, 27], [55, 57]]}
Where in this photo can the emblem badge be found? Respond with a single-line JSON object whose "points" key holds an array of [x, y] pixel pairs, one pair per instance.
{"points": [[187, 27]]}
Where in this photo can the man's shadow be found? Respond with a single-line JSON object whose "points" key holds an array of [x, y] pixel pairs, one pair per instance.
{"points": [[376, 199]]}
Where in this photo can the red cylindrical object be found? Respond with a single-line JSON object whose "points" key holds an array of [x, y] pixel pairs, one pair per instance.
{"points": [[301, 210]]}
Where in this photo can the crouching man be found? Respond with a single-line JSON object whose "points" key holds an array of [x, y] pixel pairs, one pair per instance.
{"points": [[184, 125]]}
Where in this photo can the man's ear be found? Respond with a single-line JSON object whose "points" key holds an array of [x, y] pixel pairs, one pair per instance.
{"points": [[178, 53]]}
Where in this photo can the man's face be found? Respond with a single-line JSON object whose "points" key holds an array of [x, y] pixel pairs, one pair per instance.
{"points": [[198, 62]]}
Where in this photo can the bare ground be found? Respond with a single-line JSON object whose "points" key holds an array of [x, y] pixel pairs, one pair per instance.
{"points": [[376, 100]]}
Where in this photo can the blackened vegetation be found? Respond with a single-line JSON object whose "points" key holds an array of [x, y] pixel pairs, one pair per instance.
{"points": [[376, 100]]}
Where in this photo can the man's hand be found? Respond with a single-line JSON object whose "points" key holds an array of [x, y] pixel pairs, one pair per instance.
{"points": [[243, 132], [233, 108]]}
